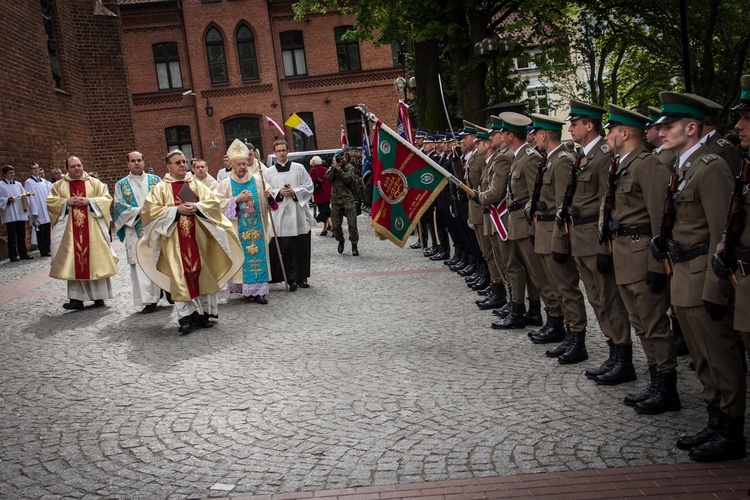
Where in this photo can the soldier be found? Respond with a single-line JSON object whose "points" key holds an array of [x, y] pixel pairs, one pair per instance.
{"points": [[713, 140], [473, 258], [419, 138], [342, 176], [445, 204], [427, 220], [641, 279], [521, 181], [593, 259], [439, 206], [569, 310], [699, 298]]}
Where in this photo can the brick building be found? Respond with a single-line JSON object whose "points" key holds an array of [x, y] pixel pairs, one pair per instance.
{"points": [[204, 72], [63, 88]]}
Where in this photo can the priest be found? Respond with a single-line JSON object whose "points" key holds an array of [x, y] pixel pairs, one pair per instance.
{"points": [[188, 247], [79, 208]]}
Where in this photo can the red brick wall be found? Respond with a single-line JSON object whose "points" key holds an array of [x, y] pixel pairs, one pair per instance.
{"points": [[90, 116]]}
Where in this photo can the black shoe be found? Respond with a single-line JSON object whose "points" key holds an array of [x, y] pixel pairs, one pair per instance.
{"points": [[303, 284], [633, 399], [292, 286], [481, 283], [592, 373], [533, 316], [341, 247], [503, 311], [167, 295], [201, 320], [665, 397], [439, 256], [468, 270], [458, 266], [415, 245], [454, 260], [728, 443], [260, 299], [493, 301], [98, 303], [186, 325], [562, 348], [622, 370], [45, 255], [576, 351], [150, 308], [355, 250], [27, 257], [429, 252], [324, 233], [690, 441], [513, 320], [485, 292], [15, 259], [73, 305], [553, 331]]}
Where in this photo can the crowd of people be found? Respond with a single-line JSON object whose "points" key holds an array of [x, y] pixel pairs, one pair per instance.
{"points": [[635, 208]]}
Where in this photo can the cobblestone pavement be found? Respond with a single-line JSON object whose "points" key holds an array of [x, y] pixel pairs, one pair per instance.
{"points": [[382, 372]]}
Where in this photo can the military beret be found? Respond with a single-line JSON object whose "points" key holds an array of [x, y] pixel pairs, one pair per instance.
{"points": [[675, 106], [544, 122], [622, 116], [744, 102], [580, 110], [514, 122]]}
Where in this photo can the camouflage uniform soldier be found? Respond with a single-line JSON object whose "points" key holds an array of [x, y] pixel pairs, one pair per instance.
{"points": [[343, 178]]}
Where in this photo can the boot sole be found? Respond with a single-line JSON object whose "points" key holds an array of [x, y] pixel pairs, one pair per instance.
{"points": [[656, 411], [619, 381]]}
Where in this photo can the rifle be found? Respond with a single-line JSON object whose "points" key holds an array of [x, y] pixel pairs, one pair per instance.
{"points": [[538, 183], [736, 217], [605, 233], [570, 190], [668, 218]]}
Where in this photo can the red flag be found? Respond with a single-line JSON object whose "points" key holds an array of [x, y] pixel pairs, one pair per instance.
{"points": [[404, 185], [272, 123], [344, 142], [404, 122]]}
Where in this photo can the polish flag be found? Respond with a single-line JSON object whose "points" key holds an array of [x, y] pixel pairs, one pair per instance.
{"points": [[344, 141], [272, 123]]}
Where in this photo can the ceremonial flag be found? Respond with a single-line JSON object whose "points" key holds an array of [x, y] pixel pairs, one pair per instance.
{"points": [[496, 213], [272, 123], [404, 122], [366, 153], [405, 183], [298, 123], [344, 141]]}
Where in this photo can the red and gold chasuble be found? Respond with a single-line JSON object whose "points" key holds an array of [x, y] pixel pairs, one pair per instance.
{"points": [[191, 257], [80, 215]]}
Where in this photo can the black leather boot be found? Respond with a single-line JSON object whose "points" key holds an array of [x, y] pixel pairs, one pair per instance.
{"points": [[533, 316], [513, 320], [552, 331], [562, 348], [186, 325], [496, 299], [634, 399], [476, 275], [689, 441], [485, 292], [470, 269], [482, 283], [622, 370], [503, 311], [679, 338], [577, 351], [592, 373], [665, 398], [728, 443]]}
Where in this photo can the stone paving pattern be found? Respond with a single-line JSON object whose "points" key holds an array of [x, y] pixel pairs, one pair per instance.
{"points": [[384, 372]]}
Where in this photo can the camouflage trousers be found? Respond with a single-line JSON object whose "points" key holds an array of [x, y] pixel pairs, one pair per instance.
{"points": [[338, 212]]}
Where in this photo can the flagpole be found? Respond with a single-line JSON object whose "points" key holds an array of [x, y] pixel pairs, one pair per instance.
{"points": [[273, 228], [363, 109]]}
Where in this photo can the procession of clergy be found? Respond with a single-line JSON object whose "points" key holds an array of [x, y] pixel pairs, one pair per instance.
{"points": [[184, 239]]}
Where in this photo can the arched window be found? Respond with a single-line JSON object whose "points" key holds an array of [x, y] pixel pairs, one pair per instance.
{"points": [[217, 61], [246, 54], [244, 128]]}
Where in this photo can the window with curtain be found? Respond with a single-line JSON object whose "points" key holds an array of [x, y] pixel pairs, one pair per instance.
{"points": [[167, 63], [293, 53]]}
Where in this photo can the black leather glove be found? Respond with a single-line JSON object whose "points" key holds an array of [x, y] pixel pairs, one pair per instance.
{"points": [[716, 311], [532, 238], [475, 196], [603, 263], [457, 150], [717, 264], [657, 282], [527, 215], [559, 219], [600, 233], [559, 257], [656, 248]]}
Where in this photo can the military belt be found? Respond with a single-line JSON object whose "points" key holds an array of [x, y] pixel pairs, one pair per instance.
{"points": [[578, 221], [516, 206], [633, 230], [545, 218], [677, 254]]}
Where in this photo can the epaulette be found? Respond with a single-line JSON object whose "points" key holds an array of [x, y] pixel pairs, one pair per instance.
{"points": [[605, 149], [709, 158], [531, 151], [644, 154], [723, 143], [563, 154]]}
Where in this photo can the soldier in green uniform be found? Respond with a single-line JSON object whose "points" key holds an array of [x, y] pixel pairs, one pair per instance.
{"points": [[563, 276], [700, 298], [713, 140], [342, 177], [593, 259], [641, 279]]}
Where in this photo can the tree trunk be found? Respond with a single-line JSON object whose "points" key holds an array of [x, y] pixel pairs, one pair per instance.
{"points": [[426, 68]]}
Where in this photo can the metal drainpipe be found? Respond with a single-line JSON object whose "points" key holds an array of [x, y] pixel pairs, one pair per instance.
{"points": [[192, 81]]}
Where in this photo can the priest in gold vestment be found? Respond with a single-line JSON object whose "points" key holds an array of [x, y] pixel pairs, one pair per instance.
{"points": [[79, 208], [188, 247]]}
